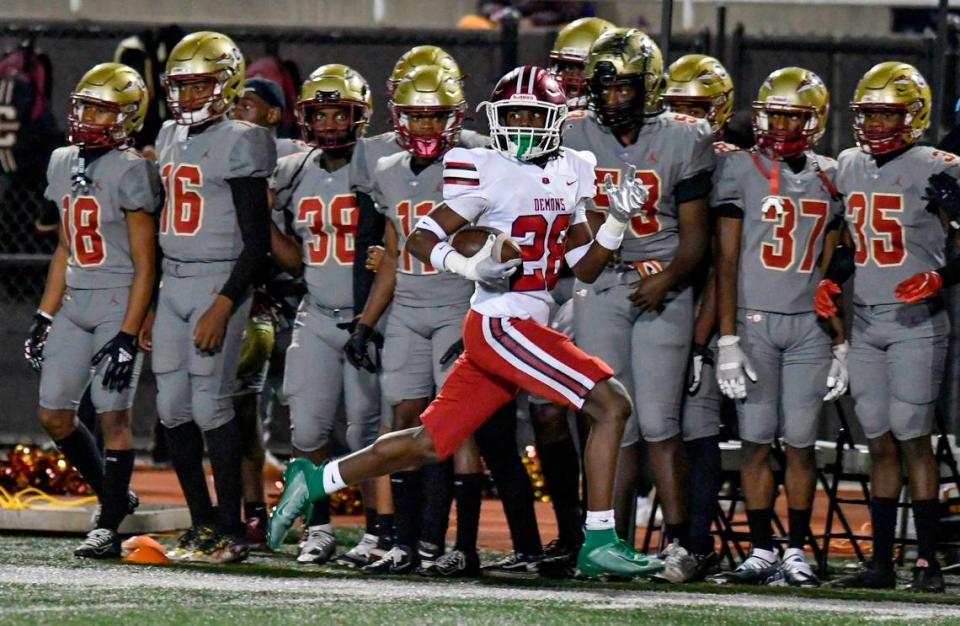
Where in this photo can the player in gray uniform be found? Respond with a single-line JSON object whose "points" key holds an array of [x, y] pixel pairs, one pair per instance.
{"points": [[98, 289], [262, 103], [313, 190], [899, 196], [647, 297], [214, 234], [427, 310], [699, 86], [775, 204]]}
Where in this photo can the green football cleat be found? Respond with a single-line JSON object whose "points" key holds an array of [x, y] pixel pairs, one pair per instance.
{"points": [[302, 485], [606, 556]]}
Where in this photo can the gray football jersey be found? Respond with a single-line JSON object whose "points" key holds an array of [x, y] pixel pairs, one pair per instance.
{"points": [[94, 218], [323, 212], [286, 147], [405, 197], [369, 150], [894, 234], [780, 250], [669, 149], [199, 219]]}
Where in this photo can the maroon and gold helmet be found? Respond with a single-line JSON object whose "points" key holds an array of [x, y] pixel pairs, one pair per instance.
{"points": [[526, 87]]}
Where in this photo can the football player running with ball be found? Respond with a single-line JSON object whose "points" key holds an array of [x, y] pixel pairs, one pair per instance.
{"points": [[899, 198], [313, 191], [774, 204], [534, 191], [98, 289], [638, 316], [215, 237]]}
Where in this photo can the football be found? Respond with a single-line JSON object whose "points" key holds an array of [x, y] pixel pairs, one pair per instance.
{"points": [[468, 241]]}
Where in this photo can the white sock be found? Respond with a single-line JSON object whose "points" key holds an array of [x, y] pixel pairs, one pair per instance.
{"points": [[600, 520], [332, 481], [770, 556]]}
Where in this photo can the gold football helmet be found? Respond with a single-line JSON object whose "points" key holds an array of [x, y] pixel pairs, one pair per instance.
{"points": [[428, 91], [199, 56], [334, 85], [700, 80], [891, 87], [111, 86], [419, 56], [619, 58], [791, 91], [569, 55]]}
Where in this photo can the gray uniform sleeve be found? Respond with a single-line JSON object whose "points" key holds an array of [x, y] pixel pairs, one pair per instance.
{"points": [[359, 169], [48, 191], [701, 157], [726, 188], [374, 191], [140, 187], [253, 154]]}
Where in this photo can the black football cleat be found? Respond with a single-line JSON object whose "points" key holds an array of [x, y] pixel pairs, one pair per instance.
{"points": [[927, 578], [870, 577]]}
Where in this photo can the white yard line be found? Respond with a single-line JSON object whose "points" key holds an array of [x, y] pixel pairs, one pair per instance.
{"points": [[265, 590]]}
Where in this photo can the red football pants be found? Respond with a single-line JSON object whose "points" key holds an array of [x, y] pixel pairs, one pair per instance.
{"points": [[502, 356]]}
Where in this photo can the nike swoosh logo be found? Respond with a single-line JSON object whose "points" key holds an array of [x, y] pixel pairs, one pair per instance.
{"points": [[571, 183]]}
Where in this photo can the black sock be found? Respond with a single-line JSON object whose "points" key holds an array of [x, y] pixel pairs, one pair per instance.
{"points": [[680, 532], [406, 501], [705, 479], [384, 527], [926, 518], [761, 529], [320, 513], [799, 520], [223, 447], [80, 448], [883, 516], [561, 474], [185, 447], [118, 467], [467, 491], [496, 442], [256, 510], [436, 495], [87, 415], [371, 520]]}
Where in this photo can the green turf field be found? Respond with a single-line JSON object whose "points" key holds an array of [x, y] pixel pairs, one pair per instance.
{"points": [[41, 583]]}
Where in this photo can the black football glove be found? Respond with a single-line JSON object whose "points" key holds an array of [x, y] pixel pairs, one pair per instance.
{"points": [[699, 356], [33, 346], [452, 352], [943, 190], [357, 347], [121, 352]]}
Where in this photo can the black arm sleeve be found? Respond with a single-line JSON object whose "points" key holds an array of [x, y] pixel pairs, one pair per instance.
{"points": [[950, 273], [728, 210], [370, 226], [841, 265], [253, 217], [693, 188]]}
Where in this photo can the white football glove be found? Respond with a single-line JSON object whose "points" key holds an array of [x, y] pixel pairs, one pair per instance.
{"points": [[481, 267], [733, 368], [838, 378], [626, 198]]}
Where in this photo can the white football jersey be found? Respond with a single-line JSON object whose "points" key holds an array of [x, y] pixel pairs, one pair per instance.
{"points": [[533, 205]]}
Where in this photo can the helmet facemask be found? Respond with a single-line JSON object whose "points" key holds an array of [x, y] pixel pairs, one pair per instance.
{"points": [[331, 139], [432, 145], [92, 135], [568, 71], [626, 115], [199, 110], [883, 140], [784, 143], [708, 104], [525, 143]]}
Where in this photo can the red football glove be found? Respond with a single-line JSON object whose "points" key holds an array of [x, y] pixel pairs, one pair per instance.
{"points": [[919, 286], [823, 302]]}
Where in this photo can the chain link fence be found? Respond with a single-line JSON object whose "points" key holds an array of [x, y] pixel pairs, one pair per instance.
{"points": [[483, 56]]}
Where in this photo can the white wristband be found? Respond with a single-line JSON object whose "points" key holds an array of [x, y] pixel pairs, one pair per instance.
{"points": [[610, 235], [429, 224], [456, 263], [439, 253]]}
